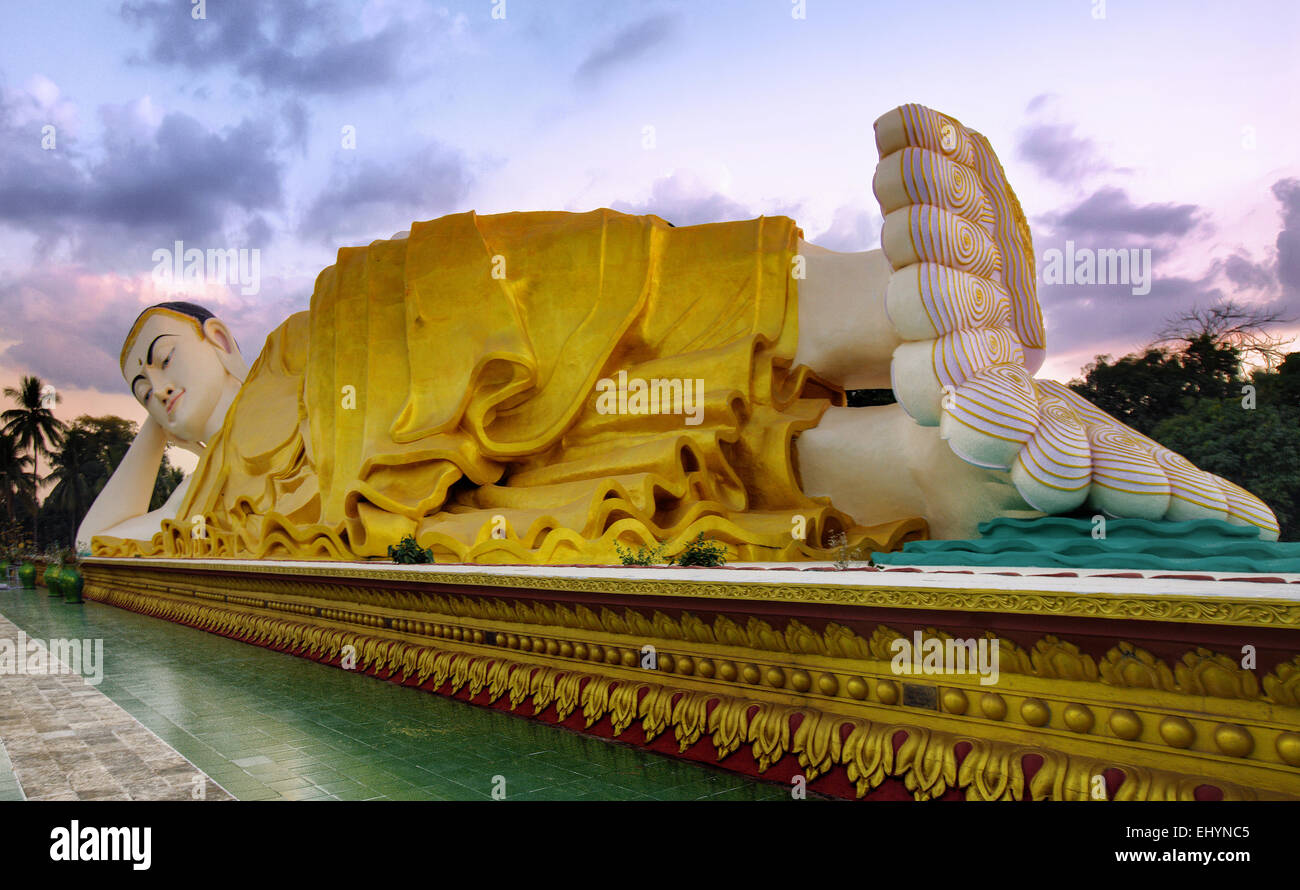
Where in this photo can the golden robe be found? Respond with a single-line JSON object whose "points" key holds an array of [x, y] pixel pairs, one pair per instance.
{"points": [[448, 385]]}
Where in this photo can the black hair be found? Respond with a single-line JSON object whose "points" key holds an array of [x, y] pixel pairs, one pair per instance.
{"points": [[193, 310]]}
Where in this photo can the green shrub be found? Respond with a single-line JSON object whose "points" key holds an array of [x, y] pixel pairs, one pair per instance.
{"points": [[407, 551], [700, 552], [642, 556]]}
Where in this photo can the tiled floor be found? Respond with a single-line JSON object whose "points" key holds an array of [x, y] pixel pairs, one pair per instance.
{"points": [[65, 740], [271, 726]]}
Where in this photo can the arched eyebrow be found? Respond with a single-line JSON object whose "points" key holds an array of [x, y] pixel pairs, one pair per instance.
{"points": [[148, 356]]}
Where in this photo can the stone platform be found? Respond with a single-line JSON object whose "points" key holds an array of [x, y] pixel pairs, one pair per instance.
{"points": [[1123, 685]]}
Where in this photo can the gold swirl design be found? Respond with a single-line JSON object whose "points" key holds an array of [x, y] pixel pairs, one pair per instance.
{"points": [[928, 128], [1245, 506], [930, 178], [999, 402], [963, 354], [1122, 462], [943, 237], [1008, 228], [1188, 482], [955, 300], [1058, 455]]}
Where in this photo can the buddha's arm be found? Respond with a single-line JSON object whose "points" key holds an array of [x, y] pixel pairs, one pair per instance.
{"points": [[125, 499]]}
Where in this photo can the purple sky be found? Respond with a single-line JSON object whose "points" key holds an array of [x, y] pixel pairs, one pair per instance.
{"points": [[1158, 126]]}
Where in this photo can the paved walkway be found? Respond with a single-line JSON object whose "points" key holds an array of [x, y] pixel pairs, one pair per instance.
{"points": [[268, 726], [65, 740]]}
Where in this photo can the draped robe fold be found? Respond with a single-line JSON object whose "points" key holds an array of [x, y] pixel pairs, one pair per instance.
{"points": [[455, 386]]}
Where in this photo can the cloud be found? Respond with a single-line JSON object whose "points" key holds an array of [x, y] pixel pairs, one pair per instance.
{"points": [[371, 199], [298, 45], [1109, 212], [1078, 315], [626, 45], [1054, 149], [1287, 192], [156, 176], [851, 229], [683, 199], [69, 321]]}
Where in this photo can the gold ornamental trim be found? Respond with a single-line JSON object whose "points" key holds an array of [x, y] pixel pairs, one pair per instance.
{"points": [[828, 715], [1236, 611]]}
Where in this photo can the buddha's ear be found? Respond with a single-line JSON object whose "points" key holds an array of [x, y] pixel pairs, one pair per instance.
{"points": [[227, 349]]}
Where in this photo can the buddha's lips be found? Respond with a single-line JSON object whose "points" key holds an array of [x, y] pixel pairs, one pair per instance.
{"points": [[172, 404]]}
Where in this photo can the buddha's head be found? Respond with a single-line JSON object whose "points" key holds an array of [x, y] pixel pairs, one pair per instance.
{"points": [[183, 365]]}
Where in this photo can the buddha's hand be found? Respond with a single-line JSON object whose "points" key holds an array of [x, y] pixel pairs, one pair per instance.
{"points": [[963, 301]]}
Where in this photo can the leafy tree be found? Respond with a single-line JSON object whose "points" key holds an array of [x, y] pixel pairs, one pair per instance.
{"points": [[92, 449], [1256, 448], [33, 425], [73, 469], [1143, 389], [15, 478], [1191, 394]]}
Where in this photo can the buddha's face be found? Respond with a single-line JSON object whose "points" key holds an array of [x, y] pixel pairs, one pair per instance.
{"points": [[179, 374]]}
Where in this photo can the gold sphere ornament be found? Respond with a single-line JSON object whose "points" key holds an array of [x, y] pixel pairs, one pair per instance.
{"points": [[552, 647], [512, 641], [800, 681], [1078, 718], [828, 685], [887, 691], [478, 636], [566, 650], [749, 673], [667, 663], [629, 658], [1125, 724], [705, 668], [685, 665], [1288, 747], [954, 701], [775, 677], [993, 706], [596, 653], [1176, 731], [580, 651], [727, 671], [1035, 712], [1233, 740]]}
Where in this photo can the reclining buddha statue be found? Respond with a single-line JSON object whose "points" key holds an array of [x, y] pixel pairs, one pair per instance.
{"points": [[539, 387]]}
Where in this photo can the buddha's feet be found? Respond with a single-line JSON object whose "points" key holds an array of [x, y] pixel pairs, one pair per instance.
{"points": [[962, 299]]}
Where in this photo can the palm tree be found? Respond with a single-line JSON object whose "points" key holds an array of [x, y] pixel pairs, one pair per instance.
{"points": [[14, 481], [33, 426], [73, 470]]}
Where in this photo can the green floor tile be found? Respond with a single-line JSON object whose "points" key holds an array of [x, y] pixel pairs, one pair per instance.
{"points": [[332, 734]]}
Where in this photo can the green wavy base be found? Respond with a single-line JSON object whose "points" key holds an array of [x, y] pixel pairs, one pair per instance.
{"points": [[1206, 545]]}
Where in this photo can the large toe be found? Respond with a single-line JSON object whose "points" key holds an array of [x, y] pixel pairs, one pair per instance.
{"points": [[1126, 479], [924, 234], [920, 176], [989, 418], [925, 300], [1053, 472], [1193, 493], [923, 373], [1246, 509]]}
